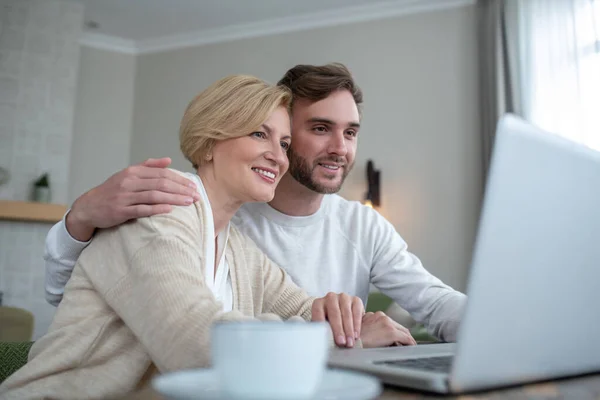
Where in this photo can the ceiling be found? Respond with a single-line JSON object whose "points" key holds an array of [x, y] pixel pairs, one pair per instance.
{"points": [[146, 25]]}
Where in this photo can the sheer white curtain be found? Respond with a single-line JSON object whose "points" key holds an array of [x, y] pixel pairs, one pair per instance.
{"points": [[499, 67], [560, 66]]}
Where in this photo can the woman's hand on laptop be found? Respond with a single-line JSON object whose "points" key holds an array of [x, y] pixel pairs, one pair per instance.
{"points": [[140, 190], [344, 314], [379, 330]]}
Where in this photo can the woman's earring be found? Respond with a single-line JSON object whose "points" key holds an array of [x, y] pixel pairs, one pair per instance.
{"points": [[208, 157]]}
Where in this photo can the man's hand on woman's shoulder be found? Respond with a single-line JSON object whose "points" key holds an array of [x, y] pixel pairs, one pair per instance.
{"points": [[140, 190]]}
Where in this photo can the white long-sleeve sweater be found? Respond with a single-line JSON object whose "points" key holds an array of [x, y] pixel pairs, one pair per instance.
{"points": [[343, 247]]}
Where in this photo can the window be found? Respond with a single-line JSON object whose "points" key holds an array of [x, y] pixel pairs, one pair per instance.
{"points": [[561, 67], [590, 78]]}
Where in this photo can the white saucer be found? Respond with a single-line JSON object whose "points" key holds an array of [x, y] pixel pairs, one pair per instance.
{"points": [[203, 384]]}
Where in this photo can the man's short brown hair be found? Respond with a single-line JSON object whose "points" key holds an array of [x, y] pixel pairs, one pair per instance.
{"points": [[316, 82]]}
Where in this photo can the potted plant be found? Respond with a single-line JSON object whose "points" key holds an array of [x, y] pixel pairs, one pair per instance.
{"points": [[41, 189]]}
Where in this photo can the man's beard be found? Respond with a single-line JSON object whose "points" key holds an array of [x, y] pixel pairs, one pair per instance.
{"points": [[301, 171]]}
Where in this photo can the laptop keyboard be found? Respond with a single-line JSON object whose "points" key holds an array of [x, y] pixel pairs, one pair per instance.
{"points": [[435, 364]]}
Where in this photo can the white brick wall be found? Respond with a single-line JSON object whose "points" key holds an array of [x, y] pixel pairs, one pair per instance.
{"points": [[22, 270], [39, 60]]}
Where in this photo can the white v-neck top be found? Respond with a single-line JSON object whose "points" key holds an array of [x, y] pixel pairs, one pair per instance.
{"points": [[219, 282]]}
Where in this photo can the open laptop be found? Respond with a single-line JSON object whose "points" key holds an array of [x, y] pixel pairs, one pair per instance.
{"points": [[534, 284]]}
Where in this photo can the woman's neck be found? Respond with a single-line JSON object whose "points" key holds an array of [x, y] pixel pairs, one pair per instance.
{"points": [[223, 205]]}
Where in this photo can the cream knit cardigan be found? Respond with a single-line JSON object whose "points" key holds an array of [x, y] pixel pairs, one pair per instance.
{"points": [[137, 304]]}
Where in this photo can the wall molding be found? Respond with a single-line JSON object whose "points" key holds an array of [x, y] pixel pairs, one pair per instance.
{"points": [[107, 42], [348, 15]]}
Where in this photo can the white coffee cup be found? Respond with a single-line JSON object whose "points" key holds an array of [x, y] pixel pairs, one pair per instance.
{"points": [[270, 360]]}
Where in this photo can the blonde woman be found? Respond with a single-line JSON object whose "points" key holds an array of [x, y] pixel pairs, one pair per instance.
{"points": [[143, 296]]}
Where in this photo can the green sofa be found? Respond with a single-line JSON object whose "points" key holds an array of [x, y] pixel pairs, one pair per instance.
{"points": [[13, 356]]}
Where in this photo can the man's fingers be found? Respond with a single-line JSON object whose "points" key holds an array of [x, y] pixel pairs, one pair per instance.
{"points": [[413, 342], [151, 197], [407, 339], [368, 317], [145, 210], [140, 178], [406, 331], [156, 169], [345, 303], [358, 310], [144, 172], [404, 338], [163, 185], [157, 162]]}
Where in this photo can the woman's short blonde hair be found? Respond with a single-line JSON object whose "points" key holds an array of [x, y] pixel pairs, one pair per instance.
{"points": [[232, 107]]}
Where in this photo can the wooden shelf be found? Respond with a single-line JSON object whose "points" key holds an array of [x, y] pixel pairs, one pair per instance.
{"points": [[31, 212]]}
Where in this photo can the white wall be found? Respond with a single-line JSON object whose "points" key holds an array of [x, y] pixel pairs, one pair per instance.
{"points": [[103, 118], [418, 73], [39, 59], [419, 77]]}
